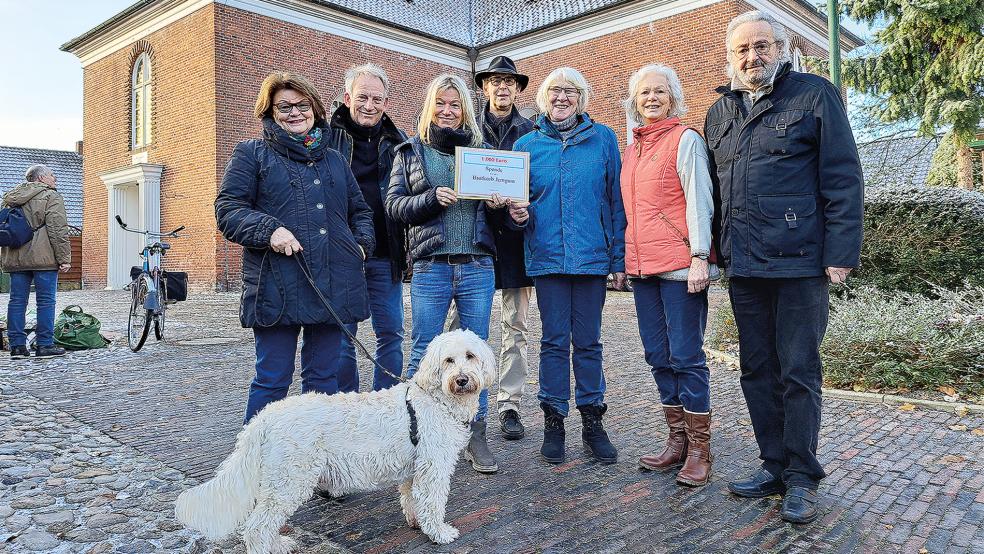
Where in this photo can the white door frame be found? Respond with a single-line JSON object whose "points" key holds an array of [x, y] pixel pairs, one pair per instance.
{"points": [[146, 178]]}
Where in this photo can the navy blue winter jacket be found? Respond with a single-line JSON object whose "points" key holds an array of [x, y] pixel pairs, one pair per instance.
{"points": [[276, 182], [788, 188]]}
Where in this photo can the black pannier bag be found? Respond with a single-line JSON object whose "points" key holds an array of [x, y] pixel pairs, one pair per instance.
{"points": [[176, 286]]}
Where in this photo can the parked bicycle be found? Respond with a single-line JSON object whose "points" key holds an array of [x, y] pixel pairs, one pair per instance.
{"points": [[152, 288]]}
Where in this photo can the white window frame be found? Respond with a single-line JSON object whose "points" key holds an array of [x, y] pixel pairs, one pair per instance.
{"points": [[141, 65]]}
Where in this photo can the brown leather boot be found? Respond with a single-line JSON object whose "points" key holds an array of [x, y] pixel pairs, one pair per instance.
{"points": [[676, 443], [697, 469]]}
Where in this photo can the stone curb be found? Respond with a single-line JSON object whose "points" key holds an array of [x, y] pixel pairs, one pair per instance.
{"points": [[873, 397]]}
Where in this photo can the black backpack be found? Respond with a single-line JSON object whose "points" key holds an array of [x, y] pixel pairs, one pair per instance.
{"points": [[15, 230]]}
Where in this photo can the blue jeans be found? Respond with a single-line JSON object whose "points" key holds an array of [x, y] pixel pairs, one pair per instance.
{"points": [[781, 323], [275, 350], [671, 325], [471, 285], [45, 286], [570, 311], [386, 308]]}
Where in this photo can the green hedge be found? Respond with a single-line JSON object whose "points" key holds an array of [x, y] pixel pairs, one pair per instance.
{"points": [[917, 238]]}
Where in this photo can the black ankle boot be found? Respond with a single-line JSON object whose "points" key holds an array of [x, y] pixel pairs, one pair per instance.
{"points": [[553, 435], [594, 436]]}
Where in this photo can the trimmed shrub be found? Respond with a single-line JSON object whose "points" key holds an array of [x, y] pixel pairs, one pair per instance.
{"points": [[915, 239], [893, 340], [878, 339]]}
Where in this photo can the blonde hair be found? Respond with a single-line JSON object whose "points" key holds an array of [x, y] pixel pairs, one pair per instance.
{"points": [[564, 75], [677, 106], [280, 80], [440, 84]]}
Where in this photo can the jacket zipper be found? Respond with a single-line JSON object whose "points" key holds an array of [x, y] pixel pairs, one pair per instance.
{"points": [[635, 210], [675, 229]]}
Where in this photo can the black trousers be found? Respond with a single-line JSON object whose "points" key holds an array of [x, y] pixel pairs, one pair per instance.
{"points": [[781, 323]]}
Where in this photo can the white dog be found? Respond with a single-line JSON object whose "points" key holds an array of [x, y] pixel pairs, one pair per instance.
{"points": [[411, 434]]}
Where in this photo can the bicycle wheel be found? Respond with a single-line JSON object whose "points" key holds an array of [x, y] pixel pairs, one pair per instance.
{"points": [[138, 324], [159, 323]]}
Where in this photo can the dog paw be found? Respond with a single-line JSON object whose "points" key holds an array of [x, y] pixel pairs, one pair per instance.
{"points": [[445, 534], [412, 521], [287, 546]]}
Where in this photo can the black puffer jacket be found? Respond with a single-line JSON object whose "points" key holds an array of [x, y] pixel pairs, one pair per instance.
{"points": [[412, 200], [510, 266], [340, 139], [276, 182], [788, 188]]}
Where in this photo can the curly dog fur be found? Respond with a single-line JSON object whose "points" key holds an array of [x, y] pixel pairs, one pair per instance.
{"points": [[345, 443]]}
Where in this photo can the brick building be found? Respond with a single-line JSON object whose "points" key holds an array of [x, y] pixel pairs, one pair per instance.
{"points": [[169, 86]]}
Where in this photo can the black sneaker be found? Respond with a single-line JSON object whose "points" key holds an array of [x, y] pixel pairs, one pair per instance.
{"points": [[19, 353], [512, 428], [48, 351]]}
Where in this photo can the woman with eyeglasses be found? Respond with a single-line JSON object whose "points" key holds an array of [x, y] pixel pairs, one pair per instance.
{"points": [[574, 240], [297, 210], [451, 240]]}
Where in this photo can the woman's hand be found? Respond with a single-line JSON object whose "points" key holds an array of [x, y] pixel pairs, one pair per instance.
{"points": [[697, 277], [518, 210], [445, 196], [497, 201], [283, 242], [619, 280]]}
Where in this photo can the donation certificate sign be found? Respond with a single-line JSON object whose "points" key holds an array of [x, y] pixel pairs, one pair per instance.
{"points": [[479, 173]]}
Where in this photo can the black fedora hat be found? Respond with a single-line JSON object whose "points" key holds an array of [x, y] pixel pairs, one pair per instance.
{"points": [[504, 66]]}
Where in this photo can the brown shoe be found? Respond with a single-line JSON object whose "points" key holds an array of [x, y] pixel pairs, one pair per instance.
{"points": [[676, 443], [697, 469]]}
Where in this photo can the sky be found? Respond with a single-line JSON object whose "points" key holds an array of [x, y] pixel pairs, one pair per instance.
{"points": [[41, 86]]}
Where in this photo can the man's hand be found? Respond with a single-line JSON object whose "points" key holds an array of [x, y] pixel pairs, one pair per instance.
{"points": [[838, 275], [283, 242], [518, 210], [445, 196], [697, 277], [64, 267], [618, 280]]}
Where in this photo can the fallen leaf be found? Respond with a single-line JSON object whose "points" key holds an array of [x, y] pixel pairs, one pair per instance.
{"points": [[952, 459], [907, 407], [115, 427], [870, 442], [949, 391], [951, 398], [857, 388], [887, 526], [958, 427], [744, 422], [977, 432], [923, 551], [961, 410]]}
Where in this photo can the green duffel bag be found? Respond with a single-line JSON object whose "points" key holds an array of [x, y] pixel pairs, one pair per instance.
{"points": [[77, 330]]}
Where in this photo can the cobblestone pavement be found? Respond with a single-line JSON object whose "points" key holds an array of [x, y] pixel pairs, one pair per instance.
{"points": [[95, 447]]}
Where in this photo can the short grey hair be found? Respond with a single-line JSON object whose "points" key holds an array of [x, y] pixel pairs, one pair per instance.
{"points": [[366, 70], [677, 106], [36, 172], [778, 31], [564, 75]]}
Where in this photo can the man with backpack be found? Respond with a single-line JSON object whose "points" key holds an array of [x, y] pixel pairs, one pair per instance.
{"points": [[38, 260]]}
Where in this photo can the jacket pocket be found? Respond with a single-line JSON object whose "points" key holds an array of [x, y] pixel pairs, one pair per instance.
{"points": [[788, 228], [720, 142], [785, 133]]}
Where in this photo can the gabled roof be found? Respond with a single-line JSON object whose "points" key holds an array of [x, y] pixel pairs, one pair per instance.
{"points": [[66, 164], [897, 161], [463, 23]]}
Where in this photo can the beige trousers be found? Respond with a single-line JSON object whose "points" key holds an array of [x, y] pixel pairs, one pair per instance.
{"points": [[513, 359]]}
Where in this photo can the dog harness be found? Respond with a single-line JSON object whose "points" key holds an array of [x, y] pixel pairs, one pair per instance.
{"points": [[414, 438]]}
